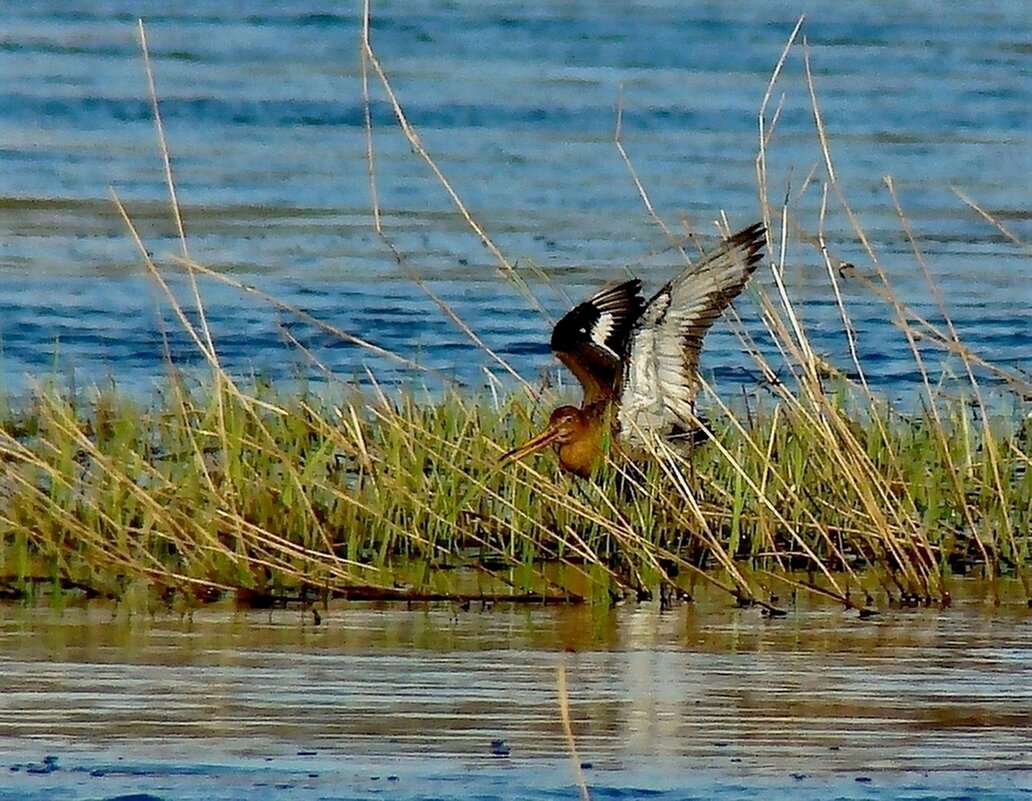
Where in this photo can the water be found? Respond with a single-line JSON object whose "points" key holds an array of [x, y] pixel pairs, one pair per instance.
{"points": [[706, 701], [516, 103]]}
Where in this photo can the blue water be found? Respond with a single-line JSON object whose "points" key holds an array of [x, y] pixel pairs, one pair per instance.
{"points": [[311, 776], [264, 117], [705, 701]]}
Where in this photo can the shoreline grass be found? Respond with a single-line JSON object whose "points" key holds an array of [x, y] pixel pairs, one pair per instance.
{"points": [[396, 499], [815, 483]]}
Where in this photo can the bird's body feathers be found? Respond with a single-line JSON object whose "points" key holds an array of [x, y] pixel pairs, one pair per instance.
{"points": [[638, 362]]}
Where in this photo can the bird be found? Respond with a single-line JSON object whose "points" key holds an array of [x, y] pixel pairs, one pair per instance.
{"points": [[638, 362]]}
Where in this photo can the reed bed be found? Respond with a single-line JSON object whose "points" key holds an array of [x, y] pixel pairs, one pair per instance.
{"points": [[811, 483], [206, 490]]}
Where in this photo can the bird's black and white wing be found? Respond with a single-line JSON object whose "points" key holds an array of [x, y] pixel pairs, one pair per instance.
{"points": [[657, 386], [591, 338]]}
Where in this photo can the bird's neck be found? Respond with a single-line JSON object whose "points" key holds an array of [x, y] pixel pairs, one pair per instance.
{"points": [[582, 453]]}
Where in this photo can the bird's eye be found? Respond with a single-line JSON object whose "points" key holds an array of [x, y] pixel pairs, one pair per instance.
{"points": [[582, 330]]}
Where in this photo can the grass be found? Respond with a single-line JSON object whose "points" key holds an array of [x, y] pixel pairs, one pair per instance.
{"points": [[814, 483], [207, 489]]}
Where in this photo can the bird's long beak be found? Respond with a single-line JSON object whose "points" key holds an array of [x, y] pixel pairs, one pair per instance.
{"points": [[545, 438]]}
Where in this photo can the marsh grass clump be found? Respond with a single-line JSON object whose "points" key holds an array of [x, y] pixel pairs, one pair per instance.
{"points": [[298, 496]]}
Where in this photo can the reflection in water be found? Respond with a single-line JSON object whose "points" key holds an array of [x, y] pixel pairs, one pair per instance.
{"points": [[711, 689]]}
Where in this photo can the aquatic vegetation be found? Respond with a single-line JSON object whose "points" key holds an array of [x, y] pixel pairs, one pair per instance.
{"points": [[809, 481], [208, 488]]}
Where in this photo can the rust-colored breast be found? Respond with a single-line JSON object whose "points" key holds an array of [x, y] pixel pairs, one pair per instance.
{"points": [[583, 451], [580, 456]]}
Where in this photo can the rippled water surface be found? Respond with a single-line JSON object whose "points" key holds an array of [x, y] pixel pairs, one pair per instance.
{"points": [[706, 701], [516, 102]]}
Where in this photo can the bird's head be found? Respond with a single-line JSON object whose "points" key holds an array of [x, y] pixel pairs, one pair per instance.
{"points": [[565, 424]]}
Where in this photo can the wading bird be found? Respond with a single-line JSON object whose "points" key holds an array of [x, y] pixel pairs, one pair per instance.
{"points": [[638, 362]]}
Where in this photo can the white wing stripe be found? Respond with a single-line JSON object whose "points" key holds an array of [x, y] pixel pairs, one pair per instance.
{"points": [[602, 330]]}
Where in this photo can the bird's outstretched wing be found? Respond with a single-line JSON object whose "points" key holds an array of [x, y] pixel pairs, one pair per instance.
{"points": [[591, 338], [657, 385]]}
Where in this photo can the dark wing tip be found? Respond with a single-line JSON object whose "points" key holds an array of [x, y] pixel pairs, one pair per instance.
{"points": [[590, 337], [622, 296], [752, 240], [602, 320]]}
